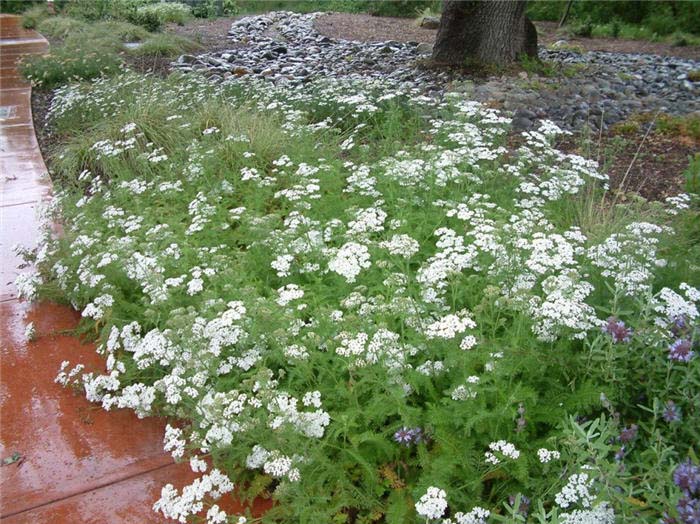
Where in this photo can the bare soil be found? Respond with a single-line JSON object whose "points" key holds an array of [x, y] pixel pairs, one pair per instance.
{"points": [[210, 33], [367, 28], [655, 170]]}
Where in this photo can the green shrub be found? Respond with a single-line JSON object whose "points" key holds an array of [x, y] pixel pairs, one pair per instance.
{"points": [[124, 31], [212, 8], [660, 18], [61, 26], [18, 6], [582, 29], [692, 174], [662, 23], [164, 13], [166, 45], [126, 9], [148, 20], [89, 9], [65, 64], [33, 16], [397, 8], [93, 39], [687, 125]]}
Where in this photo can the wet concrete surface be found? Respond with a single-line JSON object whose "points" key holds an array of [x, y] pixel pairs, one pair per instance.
{"points": [[72, 462]]}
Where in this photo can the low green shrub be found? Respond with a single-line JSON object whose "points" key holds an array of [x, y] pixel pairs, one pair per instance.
{"points": [[661, 23], [149, 20], [93, 38], [61, 26], [692, 174], [686, 125], [18, 6], [164, 13], [212, 8], [90, 10], [123, 31], [166, 45], [68, 63], [33, 16], [396, 8]]}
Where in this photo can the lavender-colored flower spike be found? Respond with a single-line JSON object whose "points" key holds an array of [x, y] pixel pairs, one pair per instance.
{"points": [[672, 413], [629, 434], [681, 350], [618, 330], [689, 510], [687, 477]]}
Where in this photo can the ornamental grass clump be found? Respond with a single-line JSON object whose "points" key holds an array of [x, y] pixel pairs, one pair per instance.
{"points": [[67, 64], [358, 301]]}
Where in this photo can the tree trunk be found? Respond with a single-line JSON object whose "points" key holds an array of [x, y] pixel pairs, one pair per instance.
{"points": [[490, 32]]}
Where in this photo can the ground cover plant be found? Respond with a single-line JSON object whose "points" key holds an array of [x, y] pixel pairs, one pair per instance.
{"points": [[360, 302], [83, 48]]}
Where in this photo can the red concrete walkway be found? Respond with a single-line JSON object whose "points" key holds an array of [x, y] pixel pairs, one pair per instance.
{"points": [[76, 463]]}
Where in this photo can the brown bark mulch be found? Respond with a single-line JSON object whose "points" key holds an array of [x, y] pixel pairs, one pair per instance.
{"points": [[656, 172], [367, 28]]}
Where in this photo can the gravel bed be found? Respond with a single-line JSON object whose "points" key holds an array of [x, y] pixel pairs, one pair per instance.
{"points": [[595, 88]]}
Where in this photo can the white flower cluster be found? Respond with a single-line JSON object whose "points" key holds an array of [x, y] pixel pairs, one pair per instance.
{"points": [[576, 491], [64, 377], [629, 258], [504, 449], [477, 515], [289, 293], [30, 332], [27, 284], [182, 506], [546, 455], [563, 307], [401, 245], [449, 326], [273, 463], [677, 203], [369, 220], [602, 514], [454, 257], [283, 409], [432, 504], [671, 305], [350, 260]]}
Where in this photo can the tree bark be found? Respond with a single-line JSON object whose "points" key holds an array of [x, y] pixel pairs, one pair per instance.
{"points": [[490, 32]]}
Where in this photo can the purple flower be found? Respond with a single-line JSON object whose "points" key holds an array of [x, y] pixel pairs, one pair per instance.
{"points": [[672, 413], [628, 434], [617, 330], [687, 477], [667, 519], [681, 350], [689, 510], [679, 325], [524, 504], [620, 454], [408, 436]]}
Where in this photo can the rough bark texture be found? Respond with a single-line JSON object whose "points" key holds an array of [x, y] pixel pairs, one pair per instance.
{"points": [[490, 32]]}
